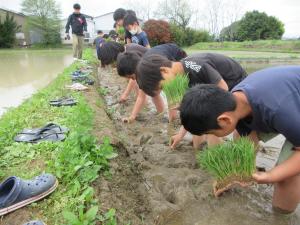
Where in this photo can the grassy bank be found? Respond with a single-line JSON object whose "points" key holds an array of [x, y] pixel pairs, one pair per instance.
{"points": [[76, 162], [257, 46]]}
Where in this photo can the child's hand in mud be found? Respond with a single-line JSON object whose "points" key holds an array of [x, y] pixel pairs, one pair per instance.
{"points": [[123, 98], [175, 140], [262, 177], [128, 119]]}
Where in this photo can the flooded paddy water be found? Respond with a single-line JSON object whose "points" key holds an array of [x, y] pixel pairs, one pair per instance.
{"points": [[173, 188], [23, 72]]}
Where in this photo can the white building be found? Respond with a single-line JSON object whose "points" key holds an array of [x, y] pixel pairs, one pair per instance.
{"points": [[104, 22]]}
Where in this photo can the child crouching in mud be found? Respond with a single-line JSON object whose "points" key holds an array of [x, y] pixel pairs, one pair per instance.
{"points": [[263, 105]]}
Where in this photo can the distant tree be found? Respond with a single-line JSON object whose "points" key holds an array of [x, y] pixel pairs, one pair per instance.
{"points": [[8, 30], [230, 33], [158, 31], [178, 12], [43, 17], [258, 25]]}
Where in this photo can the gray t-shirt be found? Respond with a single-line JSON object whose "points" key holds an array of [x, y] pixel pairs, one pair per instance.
{"points": [[210, 68], [274, 96]]}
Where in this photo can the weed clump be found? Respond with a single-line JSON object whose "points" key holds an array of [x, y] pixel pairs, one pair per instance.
{"points": [[231, 163], [176, 88]]}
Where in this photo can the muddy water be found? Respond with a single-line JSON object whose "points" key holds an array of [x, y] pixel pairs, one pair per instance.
{"points": [[25, 71], [177, 191]]}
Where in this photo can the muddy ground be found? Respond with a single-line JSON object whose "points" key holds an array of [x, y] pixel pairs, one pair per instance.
{"points": [[154, 185]]}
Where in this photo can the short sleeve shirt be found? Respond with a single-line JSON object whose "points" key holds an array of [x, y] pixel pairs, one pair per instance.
{"points": [[209, 68], [140, 39], [274, 97]]}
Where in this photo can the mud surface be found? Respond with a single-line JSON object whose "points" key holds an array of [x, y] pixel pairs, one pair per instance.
{"points": [[153, 184]]}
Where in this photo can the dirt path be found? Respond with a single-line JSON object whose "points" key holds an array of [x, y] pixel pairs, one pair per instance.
{"points": [[155, 185]]}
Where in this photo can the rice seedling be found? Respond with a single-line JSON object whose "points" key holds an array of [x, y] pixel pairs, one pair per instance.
{"points": [[230, 163], [176, 88]]}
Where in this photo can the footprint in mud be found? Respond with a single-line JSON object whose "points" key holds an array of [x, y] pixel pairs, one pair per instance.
{"points": [[145, 138]]}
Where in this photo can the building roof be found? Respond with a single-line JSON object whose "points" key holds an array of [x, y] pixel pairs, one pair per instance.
{"points": [[12, 11], [104, 14]]}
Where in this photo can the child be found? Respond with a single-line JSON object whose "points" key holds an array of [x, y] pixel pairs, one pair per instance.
{"points": [[138, 36], [264, 104], [207, 68], [126, 66], [109, 51], [78, 24], [119, 16], [99, 40]]}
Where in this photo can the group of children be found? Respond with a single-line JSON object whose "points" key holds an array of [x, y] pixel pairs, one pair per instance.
{"points": [[222, 99]]}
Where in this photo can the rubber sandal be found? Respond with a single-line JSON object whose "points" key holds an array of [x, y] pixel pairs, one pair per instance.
{"points": [[35, 138], [35, 222], [63, 102], [48, 127], [16, 193]]}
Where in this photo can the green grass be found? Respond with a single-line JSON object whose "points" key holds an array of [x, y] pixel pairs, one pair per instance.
{"points": [[231, 161], [76, 162], [176, 88], [261, 46]]}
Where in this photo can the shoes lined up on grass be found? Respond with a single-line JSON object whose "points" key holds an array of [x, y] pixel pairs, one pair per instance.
{"points": [[35, 222], [16, 193], [64, 101], [50, 132]]}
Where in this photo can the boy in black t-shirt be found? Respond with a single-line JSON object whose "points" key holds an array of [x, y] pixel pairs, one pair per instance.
{"points": [[126, 66], [203, 68], [263, 105]]}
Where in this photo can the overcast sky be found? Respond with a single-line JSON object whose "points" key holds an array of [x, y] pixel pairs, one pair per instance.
{"points": [[288, 11]]}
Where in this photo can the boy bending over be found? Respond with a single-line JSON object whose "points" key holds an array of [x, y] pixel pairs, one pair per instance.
{"points": [[263, 105]]}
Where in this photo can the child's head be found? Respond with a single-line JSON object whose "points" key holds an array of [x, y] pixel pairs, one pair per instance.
{"points": [[208, 109], [76, 8], [109, 51], [131, 23], [100, 33], [127, 63], [152, 70], [119, 15]]}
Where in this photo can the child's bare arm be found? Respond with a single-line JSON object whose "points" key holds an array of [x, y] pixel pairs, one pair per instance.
{"points": [[287, 169], [139, 103], [130, 86], [178, 137]]}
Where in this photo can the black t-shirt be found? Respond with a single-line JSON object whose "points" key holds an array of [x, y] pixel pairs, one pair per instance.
{"points": [[127, 36], [210, 68], [170, 50], [274, 97], [78, 23]]}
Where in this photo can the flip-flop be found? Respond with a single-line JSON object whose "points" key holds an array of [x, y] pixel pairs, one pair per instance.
{"points": [[48, 127], [16, 193], [63, 102], [35, 138], [89, 81]]}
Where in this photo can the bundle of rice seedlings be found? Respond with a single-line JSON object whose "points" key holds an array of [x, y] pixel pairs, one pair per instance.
{"points": [[231, 163], [176, 88]]}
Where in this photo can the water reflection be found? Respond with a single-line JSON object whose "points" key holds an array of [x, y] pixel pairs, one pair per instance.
{"points": [[24, 72]]}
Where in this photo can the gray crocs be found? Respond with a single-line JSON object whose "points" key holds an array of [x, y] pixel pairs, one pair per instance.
{"points": [[16, 193], [35, 222]]}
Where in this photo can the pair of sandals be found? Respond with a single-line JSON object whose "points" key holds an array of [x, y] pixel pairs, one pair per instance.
{"points": [[64, 101], [50, 132]]}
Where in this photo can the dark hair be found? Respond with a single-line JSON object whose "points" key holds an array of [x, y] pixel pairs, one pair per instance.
{"points": [[127, 63], [76, 6], [109, 51], [119, 14], [105, 36], [201, 106], [148, 72], [99, 32], [131, 12], [130, 19]]}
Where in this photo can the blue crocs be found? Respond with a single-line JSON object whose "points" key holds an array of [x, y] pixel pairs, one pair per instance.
{"points": [[16, 193], [35, 222]]}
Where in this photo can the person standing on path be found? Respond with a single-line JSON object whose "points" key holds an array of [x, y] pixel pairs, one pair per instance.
{"points": [[78, 24]]}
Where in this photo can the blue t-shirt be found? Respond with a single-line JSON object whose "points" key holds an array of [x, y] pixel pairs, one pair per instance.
{"points": [[98, 41], [274, 96], [140, 39]]}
